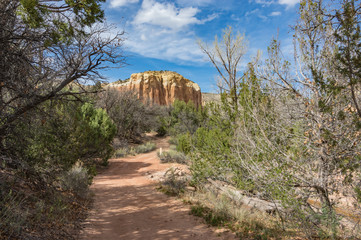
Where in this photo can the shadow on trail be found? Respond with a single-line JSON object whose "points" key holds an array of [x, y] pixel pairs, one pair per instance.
{"points": [[121, 170], [127, 205], [146, 208]]}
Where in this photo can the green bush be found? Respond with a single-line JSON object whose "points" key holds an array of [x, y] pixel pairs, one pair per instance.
{"points": [[147, 147], [122, 152], [173, 141], [181, 118], [77, 181], [144, 148], [212, 156], [172, 156], [44, 146], [130, 114], [184, 143], [162, 129], [174, 183], [96, 131], [70, 131], [173, 147], [211, 217]]}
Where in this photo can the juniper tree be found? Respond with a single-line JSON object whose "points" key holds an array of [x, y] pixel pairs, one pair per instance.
{"points": [[307, 155]]}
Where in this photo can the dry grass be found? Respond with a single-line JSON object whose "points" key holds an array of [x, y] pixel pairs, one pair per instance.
{"points": [[173, 156], [210, 97], [138, 149], [248, 224], [174, 182], [348, 217], [30, 212], [219, 210]]}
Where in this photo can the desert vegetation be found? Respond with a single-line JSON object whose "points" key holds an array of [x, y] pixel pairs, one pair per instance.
{"points": [[131, 116], [284, 133], [52, 135], [129, 150], [172, 156], [287, 130]]}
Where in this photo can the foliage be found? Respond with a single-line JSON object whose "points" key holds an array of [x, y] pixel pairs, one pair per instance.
{"points": [[184, 143], [40, 177], [37, 209], [50, 51], [292, 137], [293, 144], [212, 218], [12, 218], [348, 55], [218, 210], [73, 132], [172, 156], [145, 148], [62, 19], [122, 152], [162, 129], [77, 181], [174, 183], [131, 116], [37, 66], [211, 143], [212, 157], [182, 118]]}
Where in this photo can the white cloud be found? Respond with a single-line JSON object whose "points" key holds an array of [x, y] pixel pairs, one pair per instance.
{"points": [[195, 2], [273, 14], [252, 12], [235, 18], [161, 30], [120, 3], [289, 3], [264, 2], [257, 13], [157, 42], [167, 15]]}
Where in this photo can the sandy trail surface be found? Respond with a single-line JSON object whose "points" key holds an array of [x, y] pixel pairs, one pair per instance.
{"points": [[128, 206]]}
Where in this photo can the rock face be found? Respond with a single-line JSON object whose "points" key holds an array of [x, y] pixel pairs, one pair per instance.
{"points": [[161, 87]]}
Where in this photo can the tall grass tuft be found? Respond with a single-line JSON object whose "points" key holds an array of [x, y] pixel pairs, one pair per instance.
{"points": [[219, 210], [77, 181], [172, 156], [144, 148]]}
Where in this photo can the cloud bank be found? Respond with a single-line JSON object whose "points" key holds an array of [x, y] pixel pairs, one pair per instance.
{"points": [[161, 30], [121, 3]]}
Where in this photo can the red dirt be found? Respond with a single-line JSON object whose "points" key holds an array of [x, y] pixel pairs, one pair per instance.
{"points": [[128, 206]]}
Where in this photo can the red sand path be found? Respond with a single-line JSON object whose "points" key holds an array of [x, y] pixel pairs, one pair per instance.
{"points": [[127, 205]]}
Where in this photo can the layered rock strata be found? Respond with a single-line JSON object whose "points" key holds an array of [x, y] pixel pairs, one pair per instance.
{"points": [[161, 87]]}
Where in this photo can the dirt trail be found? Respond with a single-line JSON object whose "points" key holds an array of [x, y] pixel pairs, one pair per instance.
{"points": [[127, 205]]}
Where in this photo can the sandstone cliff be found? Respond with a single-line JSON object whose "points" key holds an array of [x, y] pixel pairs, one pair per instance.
{"points": [[161, 87]]}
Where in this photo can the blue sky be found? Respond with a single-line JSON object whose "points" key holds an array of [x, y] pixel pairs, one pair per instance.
{"points": [[162, 35]]}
